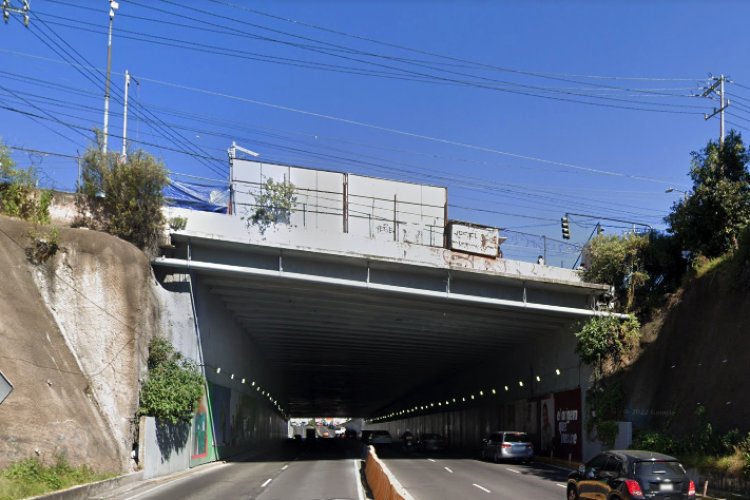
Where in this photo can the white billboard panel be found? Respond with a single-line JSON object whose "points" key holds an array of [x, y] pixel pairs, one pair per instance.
{"points": [[475, 239]]}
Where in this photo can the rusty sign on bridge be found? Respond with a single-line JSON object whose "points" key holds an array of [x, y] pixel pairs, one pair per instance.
{"points": [[472, 238]]}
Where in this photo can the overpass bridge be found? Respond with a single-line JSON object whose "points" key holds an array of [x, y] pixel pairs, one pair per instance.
{"points": [[335, 323]]}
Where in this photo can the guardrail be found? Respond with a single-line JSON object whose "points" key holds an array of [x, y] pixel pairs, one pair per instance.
{"points": [[382, 482]]}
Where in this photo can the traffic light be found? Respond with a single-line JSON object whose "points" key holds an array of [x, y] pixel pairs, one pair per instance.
{"points": [[565, 227]]}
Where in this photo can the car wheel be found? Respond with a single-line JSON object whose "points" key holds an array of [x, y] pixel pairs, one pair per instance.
{"points": [[572, 493]]}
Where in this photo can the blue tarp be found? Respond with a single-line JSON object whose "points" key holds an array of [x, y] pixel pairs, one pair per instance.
{"points": [[205, 195]]}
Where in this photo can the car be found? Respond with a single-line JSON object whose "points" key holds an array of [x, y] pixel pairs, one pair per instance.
{"points": [[507, 445], [431, 442], [381, 437], [631, 474], [366, 435]]}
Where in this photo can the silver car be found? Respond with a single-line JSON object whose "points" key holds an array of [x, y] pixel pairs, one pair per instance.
{"points": [[507, 445]]}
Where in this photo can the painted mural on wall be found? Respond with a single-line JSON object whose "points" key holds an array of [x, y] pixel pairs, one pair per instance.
{"points": [[201, 435]]}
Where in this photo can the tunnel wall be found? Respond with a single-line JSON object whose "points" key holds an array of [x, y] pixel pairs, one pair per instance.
{"points": [[233, 417], [243, 418], [472, 416]]}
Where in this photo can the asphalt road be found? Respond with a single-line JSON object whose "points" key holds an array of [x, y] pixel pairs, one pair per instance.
{"points": [[292, 471], [437, 476]]}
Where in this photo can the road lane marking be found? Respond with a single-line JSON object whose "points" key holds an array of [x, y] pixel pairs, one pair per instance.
{"points": [[481, 488], [448, 469], [431, 460], [513, 470], [561, 485], [266, 483], [182, 477], [285, 467], [357, 476]]}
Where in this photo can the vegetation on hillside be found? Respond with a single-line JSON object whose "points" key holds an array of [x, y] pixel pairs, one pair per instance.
{"points": [[710, 227], [123, 198], [19, 196], [173, 386], [31, 477]]}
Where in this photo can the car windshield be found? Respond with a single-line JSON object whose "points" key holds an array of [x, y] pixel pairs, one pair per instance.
{"points": [[654, 468], [516, 437]]}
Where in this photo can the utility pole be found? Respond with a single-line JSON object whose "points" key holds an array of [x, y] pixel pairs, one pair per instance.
{"points": [[113, 6], [717, 88], [125, 119], [24, 11]]}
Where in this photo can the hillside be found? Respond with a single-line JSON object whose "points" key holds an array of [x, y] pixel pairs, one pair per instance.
{"points": [[74, 335], [695, 352]]}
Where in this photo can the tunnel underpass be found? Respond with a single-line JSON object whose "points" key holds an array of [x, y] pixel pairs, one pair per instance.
{"points": [[353, 335]]}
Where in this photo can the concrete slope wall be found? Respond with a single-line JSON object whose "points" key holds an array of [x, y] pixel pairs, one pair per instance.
{"points": [[54, 408]]}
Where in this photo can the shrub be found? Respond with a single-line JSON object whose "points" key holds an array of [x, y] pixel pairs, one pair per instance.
{"points": [[173, 385], [274, 204], [123, 198], [19, 196], [45, 244]]}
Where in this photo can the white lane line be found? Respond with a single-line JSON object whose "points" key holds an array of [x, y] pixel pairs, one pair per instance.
{"points": [[266, 483], [448, 469], [481, 488], [360, 491], [285, 467], [431, 460], [561, 485], [513, 470], [208, 469]]}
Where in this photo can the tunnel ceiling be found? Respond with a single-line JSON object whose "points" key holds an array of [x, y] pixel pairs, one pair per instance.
{"points": [[339, 351]]}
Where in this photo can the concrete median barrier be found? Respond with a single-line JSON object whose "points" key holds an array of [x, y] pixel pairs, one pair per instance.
{"points": [[382, 483]]}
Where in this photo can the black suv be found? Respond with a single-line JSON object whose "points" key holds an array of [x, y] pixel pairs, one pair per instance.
{"points": [[626, 474]]}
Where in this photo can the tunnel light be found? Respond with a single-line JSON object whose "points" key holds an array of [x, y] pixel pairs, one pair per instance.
{"points": [[432, 404], [231, 377], [538, 378], [440, 404], [463, 399], [218, 369], [557, 371], [243, 380], [494, 391], [447, 402], [481, 393], [263, 392], [454, 400], [257, 388], [520, 383], [507, 388], [472, 396], [253, 383]]}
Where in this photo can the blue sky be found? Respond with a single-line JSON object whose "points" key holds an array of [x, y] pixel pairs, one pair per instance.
{"points": [[515, 106]]}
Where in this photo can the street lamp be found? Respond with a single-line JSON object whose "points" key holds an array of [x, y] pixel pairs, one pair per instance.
{"points": [[670, 189]]}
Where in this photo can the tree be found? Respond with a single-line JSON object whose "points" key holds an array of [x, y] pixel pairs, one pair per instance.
{"points": [[708, 221], [274, 204], [618, 261], [19, 196], [123, 198]]}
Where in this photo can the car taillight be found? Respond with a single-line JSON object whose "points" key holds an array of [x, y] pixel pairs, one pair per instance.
{"points": [[633, 488], [505, 445], [691, 489]]}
